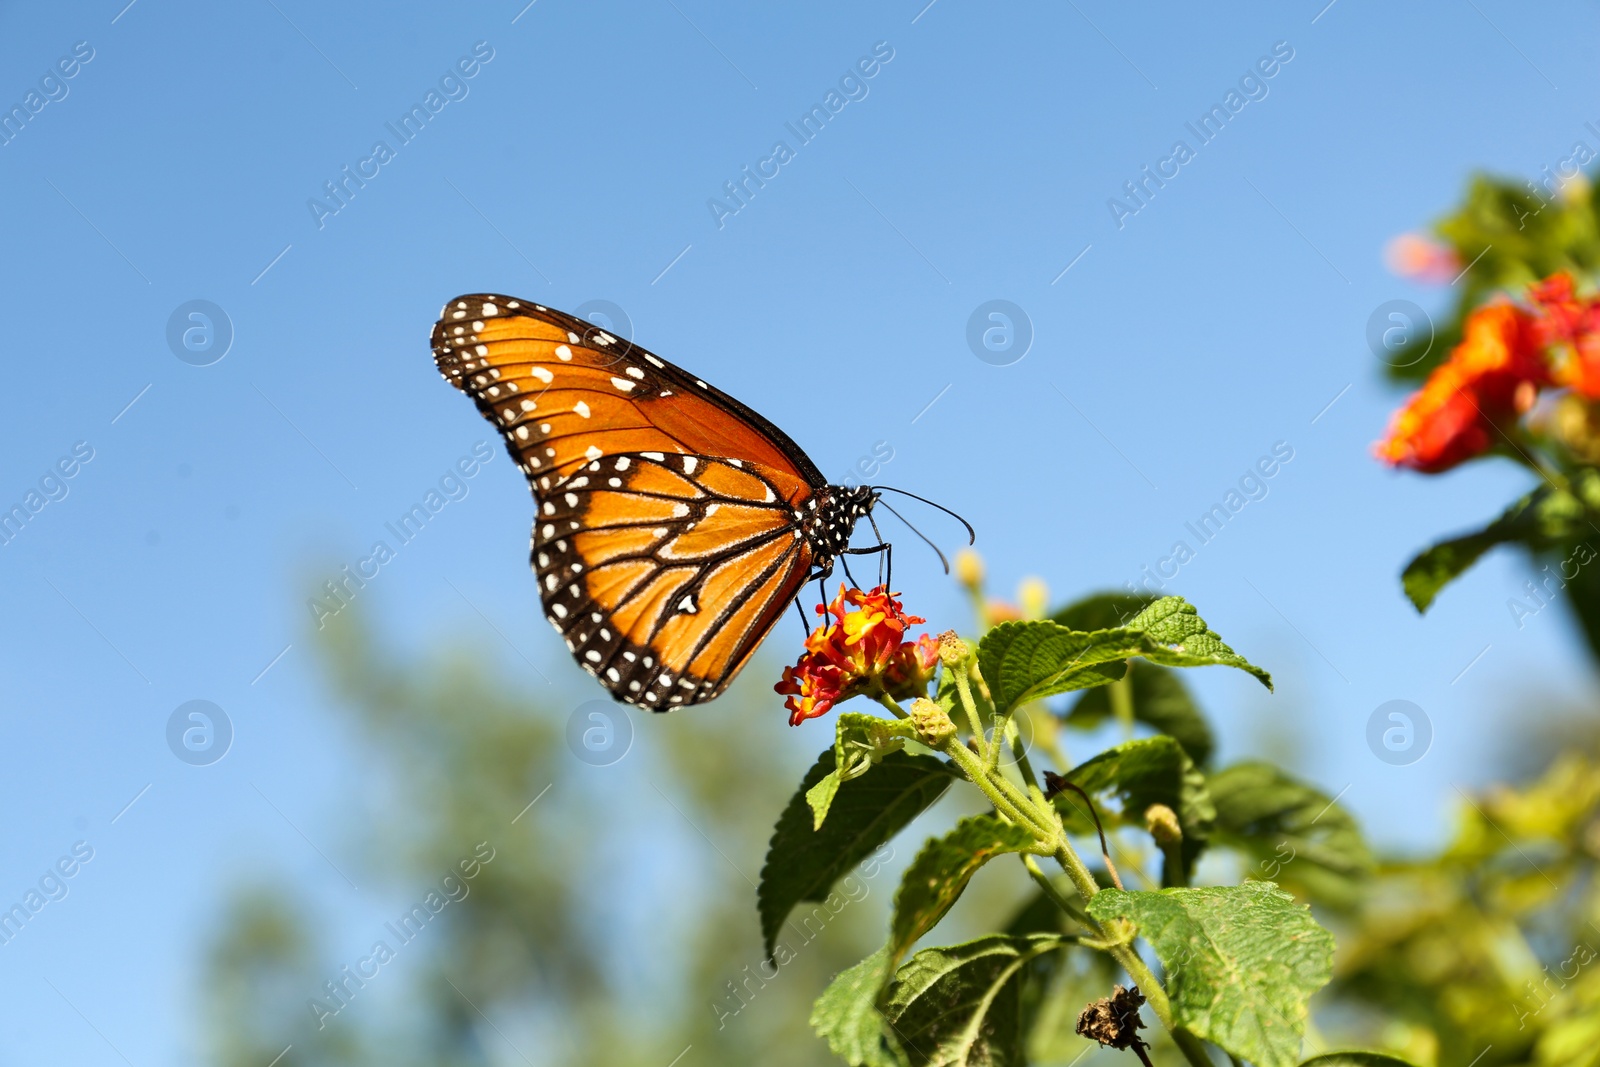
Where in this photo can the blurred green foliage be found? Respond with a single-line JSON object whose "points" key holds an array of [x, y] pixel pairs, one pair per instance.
{"points": [[533, 965], [1488, 953]]}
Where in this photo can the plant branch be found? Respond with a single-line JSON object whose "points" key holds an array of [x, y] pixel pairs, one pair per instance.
{"points": [[889, 702], [979, 775], [1121, 697], [970, 708], [1060, 900]]}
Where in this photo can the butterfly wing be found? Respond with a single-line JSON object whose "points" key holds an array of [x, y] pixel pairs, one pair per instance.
{"points": [[669, 537], [664, 572], [564, 392]]}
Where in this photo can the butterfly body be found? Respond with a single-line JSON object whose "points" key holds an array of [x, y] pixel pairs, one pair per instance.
{"points": [[674, 525]]}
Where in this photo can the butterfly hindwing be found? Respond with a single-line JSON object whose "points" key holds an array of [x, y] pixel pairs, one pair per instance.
{"points": [[664, 571]]}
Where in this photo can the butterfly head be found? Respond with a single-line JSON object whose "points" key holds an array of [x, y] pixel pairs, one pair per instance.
{"points": [[836, 510]]}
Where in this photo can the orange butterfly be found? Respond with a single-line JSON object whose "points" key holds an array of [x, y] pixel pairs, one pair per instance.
{"points": [[674, 524]]}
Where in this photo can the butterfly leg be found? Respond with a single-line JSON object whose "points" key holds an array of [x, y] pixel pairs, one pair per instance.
{"points": [[882, 550], [886, 561]]}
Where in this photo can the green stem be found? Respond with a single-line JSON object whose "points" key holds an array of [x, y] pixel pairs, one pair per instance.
{"points": [[1002, 722], [1191, 1048], [978, 774], [1020, 751], [1070, 907], [1039, 814], [1042, 817], [970, 708], [1122, 702], [1172, 875], [1154, 994], [889, 702]]}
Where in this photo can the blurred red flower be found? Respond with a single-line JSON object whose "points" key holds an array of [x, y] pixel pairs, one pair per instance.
{"points": [[1491, 376], [1570, 323]]}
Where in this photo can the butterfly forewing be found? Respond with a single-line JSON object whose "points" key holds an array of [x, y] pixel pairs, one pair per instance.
{"points": [[664, 571], [563, 392]]}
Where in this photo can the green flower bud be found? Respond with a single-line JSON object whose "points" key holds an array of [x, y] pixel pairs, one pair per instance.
{"points": [[934, 727]]}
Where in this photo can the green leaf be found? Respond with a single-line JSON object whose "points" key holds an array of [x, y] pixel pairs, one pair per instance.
{"points": [[859, 741], [1241, 962], [1355, 1058], [1160, 701], [1298, 837], [847, 1016], [1023, 661], [1152, 770], [803, 863], [936, 878], [964, 1005], [1583, 598], [1102, 611], [1543, 519], [1187, 641]]}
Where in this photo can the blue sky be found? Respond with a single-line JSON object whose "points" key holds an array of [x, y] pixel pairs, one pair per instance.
{"points": [[576, 165]]}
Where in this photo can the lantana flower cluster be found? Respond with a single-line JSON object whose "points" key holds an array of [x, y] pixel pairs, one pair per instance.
{"points": [[1509, 352], [861, 648]]}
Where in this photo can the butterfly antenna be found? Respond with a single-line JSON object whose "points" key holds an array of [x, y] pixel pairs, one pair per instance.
{"points": [[972, 536], [920, 534]]}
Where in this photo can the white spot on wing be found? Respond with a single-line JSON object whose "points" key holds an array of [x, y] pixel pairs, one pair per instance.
{"points": [[581, 408]]}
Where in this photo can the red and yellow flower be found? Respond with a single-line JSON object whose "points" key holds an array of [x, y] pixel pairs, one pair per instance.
{"points": [[1491, 377], [1570, 326], [858, 651]]}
